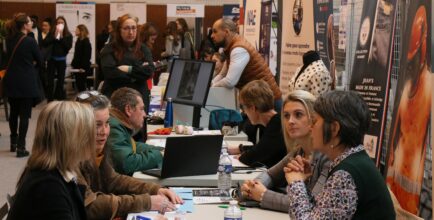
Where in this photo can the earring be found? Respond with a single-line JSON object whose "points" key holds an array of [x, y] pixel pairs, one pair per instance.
{"points": [[332, 146]]}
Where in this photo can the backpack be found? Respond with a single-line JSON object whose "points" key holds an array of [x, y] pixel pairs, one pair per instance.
{"points": [[218, 117]]}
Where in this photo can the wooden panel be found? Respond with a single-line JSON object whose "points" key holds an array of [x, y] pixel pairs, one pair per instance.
{"points": [[212, 14], [102, 12], [158, 15], [42, 10]]}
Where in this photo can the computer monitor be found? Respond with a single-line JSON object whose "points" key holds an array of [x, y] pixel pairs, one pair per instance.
{"points": [[189, 83]]}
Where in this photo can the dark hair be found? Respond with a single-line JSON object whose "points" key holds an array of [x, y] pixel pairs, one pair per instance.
{"points": [[348, 109], [172, 29], [49, 21], [15, 25], [66, 31], [146, 31], [183, 24], [123, 97], [119, 46]]}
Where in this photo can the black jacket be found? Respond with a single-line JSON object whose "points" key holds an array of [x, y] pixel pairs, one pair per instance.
{"points": [[82, 54], [46, 195], [115, 78], [21, 77], [62, 46], [270, 148]]}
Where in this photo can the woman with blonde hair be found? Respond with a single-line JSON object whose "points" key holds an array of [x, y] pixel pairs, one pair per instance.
{"points": [[104, 185], [296, 125], [64, 138], [82, 55]]}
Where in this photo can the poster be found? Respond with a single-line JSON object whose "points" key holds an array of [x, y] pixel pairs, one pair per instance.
{"points": [[273, 37], [186, 10], [342, 42], [372, 67], [297, 37], [324, 36], [409, 134], [265, 30], [252, 22], [231, 12], [136, 9], [77, 13]]}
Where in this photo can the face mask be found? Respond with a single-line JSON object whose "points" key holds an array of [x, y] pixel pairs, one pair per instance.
{"points": [[60, 27]]}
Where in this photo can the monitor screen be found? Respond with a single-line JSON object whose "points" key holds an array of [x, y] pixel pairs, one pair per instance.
{"points": [[189, 82]]}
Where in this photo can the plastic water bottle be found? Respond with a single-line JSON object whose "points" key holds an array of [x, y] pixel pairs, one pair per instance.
{"points": [[168, 118], [224, 171], [233, 212]]}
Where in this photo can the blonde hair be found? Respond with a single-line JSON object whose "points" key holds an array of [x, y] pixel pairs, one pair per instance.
{"points": [[84, 32], [65, 136], [307, 100], [258, 93]]}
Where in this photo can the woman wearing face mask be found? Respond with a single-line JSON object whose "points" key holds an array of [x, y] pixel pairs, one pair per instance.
{"points": [[62, 43], [104, 185], [20, 81], [296, 125]]}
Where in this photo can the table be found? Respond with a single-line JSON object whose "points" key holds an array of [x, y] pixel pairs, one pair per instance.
{"points": [[198, 181], [213, 212], [240, 137]]}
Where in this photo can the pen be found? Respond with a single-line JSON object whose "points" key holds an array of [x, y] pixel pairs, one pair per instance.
{"points": [[226, 206]]}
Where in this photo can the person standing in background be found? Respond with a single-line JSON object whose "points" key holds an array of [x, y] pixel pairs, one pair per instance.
{"points": [[173, 44], [36, 31], [82, 55], [62, 43], [245, 64], [187, 42], [45, 46], [20, 81]]}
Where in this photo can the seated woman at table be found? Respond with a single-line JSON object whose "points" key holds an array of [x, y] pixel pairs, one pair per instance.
{"points": [[256, 100], [47, 188], [354, 188], [296, 124], [109, 194]]}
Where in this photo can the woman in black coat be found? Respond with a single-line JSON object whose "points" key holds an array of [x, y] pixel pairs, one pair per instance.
{"points": [[82, 55], [20, 81]]}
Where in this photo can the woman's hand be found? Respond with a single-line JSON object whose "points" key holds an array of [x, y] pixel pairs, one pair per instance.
{"points": [[233, 150], [253, 189], [171, 195], [161, 204], [297, 169], [124, 68]]}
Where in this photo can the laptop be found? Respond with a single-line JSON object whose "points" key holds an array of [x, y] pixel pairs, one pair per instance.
{"points": [[189, 156]]}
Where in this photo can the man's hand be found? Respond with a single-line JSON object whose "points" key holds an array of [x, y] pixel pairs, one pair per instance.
{"points": [[171, 195]]}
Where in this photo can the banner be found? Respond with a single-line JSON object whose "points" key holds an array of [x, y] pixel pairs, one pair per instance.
{"points": [[273, 37], [265, 31], [185, 10], [252, 22], [231, 11], [409, 132], [77, 13], [135, 9], [297, 38], [324, 36], [372, 66], [343, 9]]}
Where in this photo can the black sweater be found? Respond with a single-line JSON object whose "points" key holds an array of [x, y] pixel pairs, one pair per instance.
{"points": [[82, 54], [271, 147], [62, 46], [46, 195]]}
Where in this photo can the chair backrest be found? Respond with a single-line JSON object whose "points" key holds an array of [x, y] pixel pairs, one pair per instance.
{"points": [[4, 211], [219, 116]]}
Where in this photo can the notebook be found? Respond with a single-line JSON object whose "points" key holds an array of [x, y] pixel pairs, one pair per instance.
{"points": [[189, 156]]}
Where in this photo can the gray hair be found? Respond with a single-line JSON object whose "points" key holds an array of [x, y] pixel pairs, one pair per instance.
{"points": [[227, 23], [123, 97]]}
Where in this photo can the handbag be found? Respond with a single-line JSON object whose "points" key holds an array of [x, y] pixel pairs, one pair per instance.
{"points": [[4, 71]]}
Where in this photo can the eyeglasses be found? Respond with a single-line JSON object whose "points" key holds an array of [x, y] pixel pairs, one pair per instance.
{"points": [[130, 28], [87, 94]]}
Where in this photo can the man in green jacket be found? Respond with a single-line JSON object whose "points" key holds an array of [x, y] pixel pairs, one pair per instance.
{"points": [[126, 119]]}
